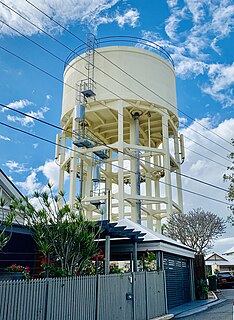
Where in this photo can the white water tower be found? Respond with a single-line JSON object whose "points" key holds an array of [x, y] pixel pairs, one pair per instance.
{"points": [[119, 114]]}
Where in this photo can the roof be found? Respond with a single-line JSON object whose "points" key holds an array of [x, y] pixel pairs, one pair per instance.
{"points": [[9, 185], [150, 235], [215, 257], [229, 251]]}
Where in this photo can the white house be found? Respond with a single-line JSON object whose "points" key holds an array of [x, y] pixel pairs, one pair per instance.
{"points": [[217, 263], [7, 191]]}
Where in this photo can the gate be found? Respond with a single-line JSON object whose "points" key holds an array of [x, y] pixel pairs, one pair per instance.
{"points": [[177, 271]]}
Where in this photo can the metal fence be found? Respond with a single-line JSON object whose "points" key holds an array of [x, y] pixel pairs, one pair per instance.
{"points": [[131, 296]]}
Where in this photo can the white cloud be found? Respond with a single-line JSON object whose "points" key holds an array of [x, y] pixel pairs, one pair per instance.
{"points": [[35, 145], [130, 17], [207, 22], [208, 166], [221, 81], [27, 121], [33, 182], [20, 104], [51, 171], [30, 185], [89, 12], [4, 138], [14, 166]]}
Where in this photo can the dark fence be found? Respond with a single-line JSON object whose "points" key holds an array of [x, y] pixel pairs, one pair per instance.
{"points": [[130, 296]]}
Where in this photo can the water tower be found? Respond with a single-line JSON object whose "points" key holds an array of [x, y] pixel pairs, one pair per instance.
{"points": [[119, 116]]}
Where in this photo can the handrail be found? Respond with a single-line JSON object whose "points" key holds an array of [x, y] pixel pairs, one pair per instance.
{"points": [[110, 40]]}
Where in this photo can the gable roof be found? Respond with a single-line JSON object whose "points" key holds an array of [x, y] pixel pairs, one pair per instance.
{"points": [[229, 251], [215, 257]]}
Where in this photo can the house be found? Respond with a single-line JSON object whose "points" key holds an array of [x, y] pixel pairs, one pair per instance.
{"points": [[218, 263], [7, 191]]}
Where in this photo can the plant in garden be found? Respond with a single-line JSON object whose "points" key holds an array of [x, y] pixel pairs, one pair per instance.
{"points": [[148, 261], [51, 268], [196, 229], [18, 268], [60, 231], [5, 223]]}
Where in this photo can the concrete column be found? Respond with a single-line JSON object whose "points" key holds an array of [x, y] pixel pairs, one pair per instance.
{"points": [[61, 170], [133, 170], [109, 188], [73, 169], [166, 163], [178, 171], [148, 191], [120, 161]]}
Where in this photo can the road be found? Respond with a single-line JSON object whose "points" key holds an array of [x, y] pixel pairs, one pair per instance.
{"points": [[223, 311]]}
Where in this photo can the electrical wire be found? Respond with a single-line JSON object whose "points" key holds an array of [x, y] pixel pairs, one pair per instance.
{"points": [[105, 105], [47, 73], [74, 35], [110, 147], [101, 69], [122, 168]]}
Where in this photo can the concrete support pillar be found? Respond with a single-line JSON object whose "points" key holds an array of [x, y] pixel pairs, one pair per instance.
{"points": [[61, 170], [178, 171], [133, 170], [73, 169], [120, 161], [109, 188], [148, 191], [166, 164]]}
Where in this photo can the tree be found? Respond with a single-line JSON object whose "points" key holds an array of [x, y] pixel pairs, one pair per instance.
{"points": [[61, 233], [4, 224], [196, 229], [229, 177]]}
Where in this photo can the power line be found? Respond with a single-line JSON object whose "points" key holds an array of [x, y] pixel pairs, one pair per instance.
{"points": [[101, 69], [54, 143], [74, 35], [118, 151], [42, 70], [49, 74]]}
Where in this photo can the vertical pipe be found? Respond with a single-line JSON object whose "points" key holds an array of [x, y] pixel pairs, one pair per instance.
{"points": [[138, 175]]}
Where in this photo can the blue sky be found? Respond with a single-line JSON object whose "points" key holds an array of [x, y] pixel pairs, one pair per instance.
{"points": [[197, 34]]}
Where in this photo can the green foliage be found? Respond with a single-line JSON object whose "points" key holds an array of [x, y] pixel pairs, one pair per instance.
{"points": [[229, 177], [18, 268], [60, 231], [202, 286], [148, 261]]}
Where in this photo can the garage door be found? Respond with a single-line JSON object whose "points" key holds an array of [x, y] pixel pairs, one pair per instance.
{"points": [[177, 279]]}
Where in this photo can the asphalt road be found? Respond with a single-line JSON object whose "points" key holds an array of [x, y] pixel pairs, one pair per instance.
{"points": [[222, 311]]}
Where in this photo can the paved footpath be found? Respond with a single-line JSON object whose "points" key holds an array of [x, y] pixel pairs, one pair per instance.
{"points": [[220, 310]]}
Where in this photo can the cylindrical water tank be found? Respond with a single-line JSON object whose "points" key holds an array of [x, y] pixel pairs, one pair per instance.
{"points": [[155, 73]]}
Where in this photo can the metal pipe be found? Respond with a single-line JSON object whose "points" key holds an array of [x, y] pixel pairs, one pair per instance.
{"points": [[138, 174]]}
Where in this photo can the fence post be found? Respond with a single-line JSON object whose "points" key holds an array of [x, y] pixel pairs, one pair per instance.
{"points": [[134, 296], [97, 296], [46, 299], [165, 291], [146, 297]]}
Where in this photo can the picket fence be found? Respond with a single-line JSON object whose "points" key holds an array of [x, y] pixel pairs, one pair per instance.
{"points": [[130, 296]]}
